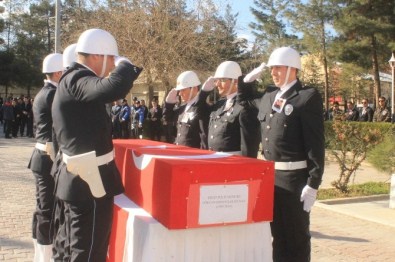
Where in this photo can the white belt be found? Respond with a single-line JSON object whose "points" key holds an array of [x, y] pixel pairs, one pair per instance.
{"points": [[42, 147], [101, 160], [290, 165]]}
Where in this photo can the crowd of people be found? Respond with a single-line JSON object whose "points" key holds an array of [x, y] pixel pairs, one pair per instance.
{"points": [[365, 113], [16, 115]]}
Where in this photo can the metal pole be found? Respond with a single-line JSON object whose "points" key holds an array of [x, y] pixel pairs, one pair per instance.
{"points": [[392, 63], [58, 22]]}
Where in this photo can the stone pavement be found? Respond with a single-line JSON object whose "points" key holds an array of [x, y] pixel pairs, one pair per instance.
{"points": [[345, 231]]}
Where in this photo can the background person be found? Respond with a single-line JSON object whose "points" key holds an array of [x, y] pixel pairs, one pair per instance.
{"points": [[382, 112], [352, 113], [366, 112]]}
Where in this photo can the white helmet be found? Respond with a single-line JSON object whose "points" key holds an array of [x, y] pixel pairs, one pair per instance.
{"points": [[69, 55], [53, 63], [228, 69], [285, 56], [97, 42], [187, 79]]}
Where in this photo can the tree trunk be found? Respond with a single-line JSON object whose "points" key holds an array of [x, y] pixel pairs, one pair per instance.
{"points": [[376, 72]]}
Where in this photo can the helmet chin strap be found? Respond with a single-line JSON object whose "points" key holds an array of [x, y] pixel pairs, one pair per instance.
{"points": [[230, 87], [286, 77], [190, 94], [104, 66]]}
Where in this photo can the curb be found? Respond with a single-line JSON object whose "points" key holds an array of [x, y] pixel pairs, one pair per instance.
{"points": [[349, 200]]}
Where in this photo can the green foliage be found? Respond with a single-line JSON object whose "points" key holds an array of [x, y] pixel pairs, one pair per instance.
{"points": [[349, 145], [382, 156], [366, 189]]}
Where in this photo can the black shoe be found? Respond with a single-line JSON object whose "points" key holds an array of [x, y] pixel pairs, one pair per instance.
{"points": [[8, 137]]}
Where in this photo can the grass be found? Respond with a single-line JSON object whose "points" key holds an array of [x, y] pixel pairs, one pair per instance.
{"points": [[366, 189]]}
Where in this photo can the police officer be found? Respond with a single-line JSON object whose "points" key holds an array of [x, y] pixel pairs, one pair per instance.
{"points": [[86, 177], [69, 55], [292, 132], [382, 112], [193, 115], [232, 128], [42, 157]]}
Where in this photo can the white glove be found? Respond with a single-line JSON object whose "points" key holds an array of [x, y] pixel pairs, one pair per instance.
{"points": [[308, 197], [119, 59], [171, 97], [209, 84], [255, 74]]}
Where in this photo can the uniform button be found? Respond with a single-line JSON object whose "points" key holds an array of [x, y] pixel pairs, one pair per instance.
{"points": [[179, 134], [215, 126], [285, 125], [271, 115], [266, 139], [211, 137], [266, 150], [267, 127]]}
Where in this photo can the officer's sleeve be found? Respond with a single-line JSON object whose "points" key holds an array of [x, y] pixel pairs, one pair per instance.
{"points": [[313, 135], [93, 88], [249, 131]]}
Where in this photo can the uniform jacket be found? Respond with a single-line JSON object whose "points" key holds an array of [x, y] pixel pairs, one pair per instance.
{"points": [[81, 123], [294, 134], [40, 161], [192, 125], [235, 129]]}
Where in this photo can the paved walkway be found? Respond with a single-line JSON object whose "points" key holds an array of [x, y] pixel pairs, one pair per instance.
{"points": [[340, 232]]}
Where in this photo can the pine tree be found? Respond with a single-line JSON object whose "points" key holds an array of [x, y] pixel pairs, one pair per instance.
{"points": [[366, 34]]}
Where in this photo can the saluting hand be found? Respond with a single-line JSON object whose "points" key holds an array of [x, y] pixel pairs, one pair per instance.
{"points": [[209, 84], [171, 97], [119, 59], [255, 74]]}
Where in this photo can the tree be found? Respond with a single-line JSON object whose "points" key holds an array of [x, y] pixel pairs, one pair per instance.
{"points": [[366, 34], [311, 18], [270, 29]]}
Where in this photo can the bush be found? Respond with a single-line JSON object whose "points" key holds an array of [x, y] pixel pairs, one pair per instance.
{"points": [[349, 143], [382, 156]]}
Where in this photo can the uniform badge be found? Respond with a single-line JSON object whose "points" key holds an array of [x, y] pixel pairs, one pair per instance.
{"points": [[278, 105], [288, 109]]}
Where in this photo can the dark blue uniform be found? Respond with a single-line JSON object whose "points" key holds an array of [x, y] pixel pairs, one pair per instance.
{"points": [[82, 125], [192, 125], [294, 135], [234, 128], [41, 164]]}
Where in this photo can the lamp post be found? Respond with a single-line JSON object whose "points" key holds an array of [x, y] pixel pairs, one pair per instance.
{"points": [[392, 64]]}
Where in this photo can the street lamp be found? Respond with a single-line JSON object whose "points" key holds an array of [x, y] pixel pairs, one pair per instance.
{"points": [[392, 64]]}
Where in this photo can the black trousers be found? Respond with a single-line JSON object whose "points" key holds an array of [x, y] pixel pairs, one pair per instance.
{"points": [[42, 216], [83, 230], [290, 228]]}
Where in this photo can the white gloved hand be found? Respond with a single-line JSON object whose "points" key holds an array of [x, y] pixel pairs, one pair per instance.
{"points": [[308, 197], [254, 74], [119, 59], [171, 97], [209, 84]]}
